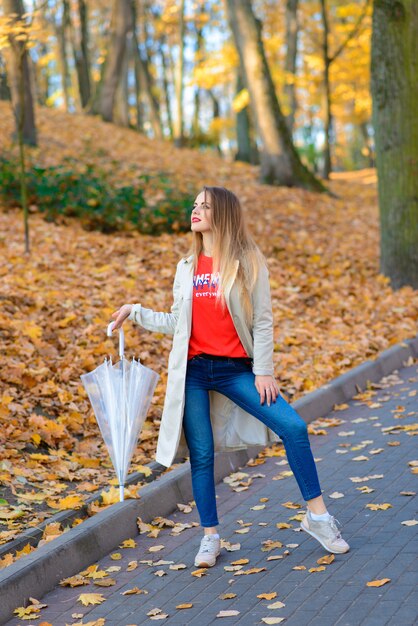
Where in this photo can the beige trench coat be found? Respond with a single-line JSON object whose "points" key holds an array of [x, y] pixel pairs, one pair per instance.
{"points": [[233, 428]]}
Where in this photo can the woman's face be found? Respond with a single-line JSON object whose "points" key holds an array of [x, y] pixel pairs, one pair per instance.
{"points": [[201, 213]]}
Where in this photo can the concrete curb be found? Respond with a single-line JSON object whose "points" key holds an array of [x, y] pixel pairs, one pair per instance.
{"points": [[34, 534], [36, 574]]}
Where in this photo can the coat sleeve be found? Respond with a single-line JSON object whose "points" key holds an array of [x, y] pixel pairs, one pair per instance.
{"points": [[262, 325], [159, 322]]}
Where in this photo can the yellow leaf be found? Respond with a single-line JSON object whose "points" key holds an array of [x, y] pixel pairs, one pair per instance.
{"points": [[378, 583], [143, 469], [199, 572], [184, 606], [90, 598], [240, 562], [133, 591], [379, 507], [70, 502], [267, 596], [321, 568], [327, 559], [128, 543], [116, 556], [227, 596], [253, 570]]}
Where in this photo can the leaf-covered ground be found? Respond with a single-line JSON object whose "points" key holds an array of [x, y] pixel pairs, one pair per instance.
{"points": [[332, 309]]}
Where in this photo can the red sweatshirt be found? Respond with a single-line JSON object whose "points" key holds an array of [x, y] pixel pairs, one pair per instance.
{"points": [[213, 330]]}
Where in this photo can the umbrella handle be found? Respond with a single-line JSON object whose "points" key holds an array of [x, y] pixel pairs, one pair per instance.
{"points": [[121, 338]]}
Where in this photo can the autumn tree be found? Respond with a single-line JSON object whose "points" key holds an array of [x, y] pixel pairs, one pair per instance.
{"points": [[279, 161], [395, 118]]}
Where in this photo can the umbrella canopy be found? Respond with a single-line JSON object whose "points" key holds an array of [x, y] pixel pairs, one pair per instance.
{"points": [[120, 395]]}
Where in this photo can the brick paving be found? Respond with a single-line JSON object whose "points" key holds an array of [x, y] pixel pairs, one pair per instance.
{"points": [[381, 546]]}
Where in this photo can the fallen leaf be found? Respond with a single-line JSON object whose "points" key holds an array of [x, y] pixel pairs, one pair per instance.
{"points": [[321, 568], [199, 572], [378, 583], [133, 591], [230, 613], [128, 543], [90, 598], [253, 570], [267, 596]]}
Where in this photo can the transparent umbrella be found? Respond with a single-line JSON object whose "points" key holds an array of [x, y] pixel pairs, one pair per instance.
{"points": [[120, 395]]}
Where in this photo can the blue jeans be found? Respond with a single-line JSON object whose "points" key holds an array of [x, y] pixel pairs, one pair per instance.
{"points": [[235, 380]]}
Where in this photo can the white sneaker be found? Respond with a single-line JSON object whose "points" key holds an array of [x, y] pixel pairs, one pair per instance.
{"points": [[210, 548], [326, 532]]}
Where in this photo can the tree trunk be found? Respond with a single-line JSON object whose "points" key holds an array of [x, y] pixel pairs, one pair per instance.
{"points": [[144, 80], [215, 113], [179, 123], [280, 163], [121, 113], [394, 81], [292, 29], [121, 24], [20, 84], [328, 112], [61, 32], [81, 54], [247, 148], [166, 85], [4, 87]]}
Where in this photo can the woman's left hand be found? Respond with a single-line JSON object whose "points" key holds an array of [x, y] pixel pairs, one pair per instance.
{"points": [[267, 388]]}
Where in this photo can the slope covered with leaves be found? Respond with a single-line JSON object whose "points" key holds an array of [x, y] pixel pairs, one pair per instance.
{"points": [[332, 309]]}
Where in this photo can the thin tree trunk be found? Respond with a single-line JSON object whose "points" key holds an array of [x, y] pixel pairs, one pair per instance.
{"points": [[247, 149], [292, 29], [18, 70], [166, 85], [145, 81], [62, 42], [179, 121], [121, 24], [140, 116], [215, 114], [200, 42], [280, 163], [81, 54], [394, 81], [328, 112]]}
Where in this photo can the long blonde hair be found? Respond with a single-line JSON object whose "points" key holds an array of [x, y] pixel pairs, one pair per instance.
{"points": [[231, 241]]}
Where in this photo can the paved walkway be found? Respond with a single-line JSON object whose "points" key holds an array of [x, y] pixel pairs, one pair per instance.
{"points": [[382, 546]]}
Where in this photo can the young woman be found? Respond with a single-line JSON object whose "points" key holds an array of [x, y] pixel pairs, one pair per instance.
{"points": [[221, 391]]}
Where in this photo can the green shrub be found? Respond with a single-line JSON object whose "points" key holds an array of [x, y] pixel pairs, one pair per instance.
{"points": [[85, 192]]}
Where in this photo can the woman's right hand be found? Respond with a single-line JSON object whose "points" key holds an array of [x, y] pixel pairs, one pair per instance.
{"points": [[120, 315]]}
